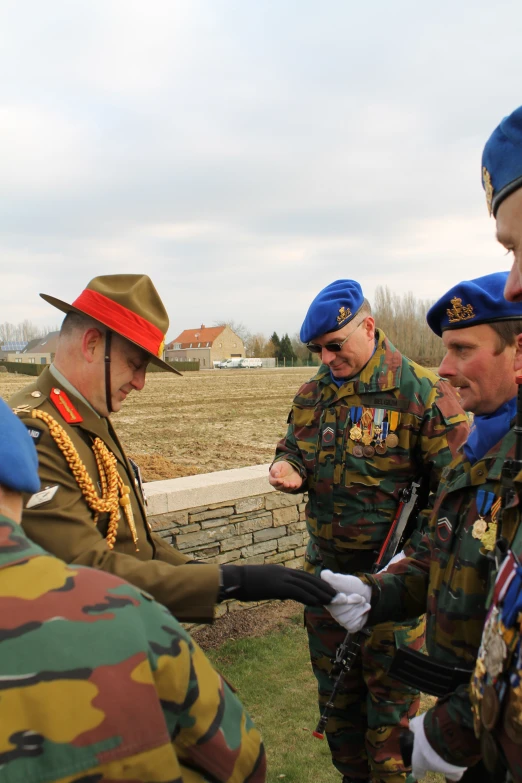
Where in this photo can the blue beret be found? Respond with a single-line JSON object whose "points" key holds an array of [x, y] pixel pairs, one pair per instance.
{"points": [[502, 161], [18, 457], [332, 308], [473, 302]]}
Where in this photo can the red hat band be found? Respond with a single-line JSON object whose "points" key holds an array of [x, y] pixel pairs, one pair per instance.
{"points": [[121, 320]]}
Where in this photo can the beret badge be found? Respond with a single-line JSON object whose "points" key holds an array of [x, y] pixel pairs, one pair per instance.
{"points": [[488, 187], [343, 314], [460, 312]]}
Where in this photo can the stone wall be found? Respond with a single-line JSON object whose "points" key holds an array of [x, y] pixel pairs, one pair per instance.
{"points": [[231, 516]]}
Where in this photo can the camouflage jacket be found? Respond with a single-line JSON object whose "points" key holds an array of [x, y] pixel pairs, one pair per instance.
{"points": [[496, 685], [100, 682], [352, 501], [451, 574]]}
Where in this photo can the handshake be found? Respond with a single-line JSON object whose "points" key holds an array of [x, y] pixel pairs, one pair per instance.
{"points": [[347, 598]]}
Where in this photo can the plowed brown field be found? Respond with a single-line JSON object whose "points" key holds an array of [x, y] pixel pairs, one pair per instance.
{"points": [[202, 422]]}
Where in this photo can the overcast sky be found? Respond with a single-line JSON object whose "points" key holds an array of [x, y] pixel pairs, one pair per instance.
{"points": [[246, 153]]}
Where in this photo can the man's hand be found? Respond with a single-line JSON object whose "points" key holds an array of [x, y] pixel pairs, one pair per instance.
{"points": [[352, 612], [425, 758], [263, 582], [284, 477]]}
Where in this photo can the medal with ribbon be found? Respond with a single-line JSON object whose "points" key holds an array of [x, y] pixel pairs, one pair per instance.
{"points": [[355, 416], [486, 533], [392, 439]]}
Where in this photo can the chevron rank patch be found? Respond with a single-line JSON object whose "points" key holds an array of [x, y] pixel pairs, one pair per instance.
{"points": [[444, 528]]}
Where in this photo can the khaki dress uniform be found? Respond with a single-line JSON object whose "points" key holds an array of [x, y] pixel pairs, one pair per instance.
{"points": [[60, 520]]}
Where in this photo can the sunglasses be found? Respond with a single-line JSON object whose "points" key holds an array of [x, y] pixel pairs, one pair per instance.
{"points": [[333, 347]]}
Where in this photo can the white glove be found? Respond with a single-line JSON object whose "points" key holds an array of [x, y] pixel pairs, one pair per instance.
{"points": [[350, 611], [395, 559], [425, 758], [351, 606]]}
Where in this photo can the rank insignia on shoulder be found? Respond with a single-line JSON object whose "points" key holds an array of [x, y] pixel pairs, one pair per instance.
{"points": [[34, 434], [44, 496], [64, 406], [22, 409]]}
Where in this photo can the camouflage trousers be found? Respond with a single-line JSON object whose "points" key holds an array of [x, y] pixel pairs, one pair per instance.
{"points": [[371, 708]]}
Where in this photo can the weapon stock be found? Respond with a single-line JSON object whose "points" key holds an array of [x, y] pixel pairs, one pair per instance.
{"points": [[348, 650]]}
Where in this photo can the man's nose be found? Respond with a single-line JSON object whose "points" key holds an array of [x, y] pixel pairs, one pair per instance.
{"points": [[327, 356], [513, 289], [138, 379], [447, 367]]}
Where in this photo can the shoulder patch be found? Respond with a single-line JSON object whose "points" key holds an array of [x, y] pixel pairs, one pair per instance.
{"points": [[34, 433], [44, 496]]}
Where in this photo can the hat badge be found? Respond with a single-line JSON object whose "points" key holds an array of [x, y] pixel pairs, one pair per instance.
{"points": [[488, 187], [460, 312], [343, 314]]}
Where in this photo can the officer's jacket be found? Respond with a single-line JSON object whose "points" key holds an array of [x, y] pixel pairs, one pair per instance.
{"points": [[451, 573], [100, 682], [61, 522], [353, 500]]}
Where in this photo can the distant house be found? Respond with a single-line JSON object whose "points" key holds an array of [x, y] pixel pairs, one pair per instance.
{"points": [[41, 350], [206, 345]]}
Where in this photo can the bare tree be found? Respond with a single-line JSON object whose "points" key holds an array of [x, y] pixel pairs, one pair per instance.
{"points": [[23, 332], [403, 319]]}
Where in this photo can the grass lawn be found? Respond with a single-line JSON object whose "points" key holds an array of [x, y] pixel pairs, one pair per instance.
{"points": [[273, 677]]}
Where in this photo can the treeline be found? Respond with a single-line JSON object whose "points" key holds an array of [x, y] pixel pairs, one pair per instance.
{"points": [[23, 332], [402, 317]]}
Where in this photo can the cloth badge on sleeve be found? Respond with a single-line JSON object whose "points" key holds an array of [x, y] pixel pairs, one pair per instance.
{"points": [[44, 496], [444, 528], [34, 434], [328, 436]]}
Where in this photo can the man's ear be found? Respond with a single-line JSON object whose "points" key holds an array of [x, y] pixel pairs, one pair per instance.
{"points": [[518, 355], [369, 327], [92, 339]]}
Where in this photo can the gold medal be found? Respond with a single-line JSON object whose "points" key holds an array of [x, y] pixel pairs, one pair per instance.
{"points": [[355, 433], [367, 438], [392, 440], [489, 538], [479, 528]]}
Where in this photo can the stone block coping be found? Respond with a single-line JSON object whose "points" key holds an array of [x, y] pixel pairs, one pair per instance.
{"points": [[206, 489]]}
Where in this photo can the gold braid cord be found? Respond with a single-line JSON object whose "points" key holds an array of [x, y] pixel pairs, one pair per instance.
{"points": [[114, 493]]}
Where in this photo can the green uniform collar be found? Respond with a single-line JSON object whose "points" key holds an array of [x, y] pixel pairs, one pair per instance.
{"points": [[15, 547]]}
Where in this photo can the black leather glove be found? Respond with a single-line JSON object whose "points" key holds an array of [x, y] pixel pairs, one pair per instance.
{"points": [[263, 582]]}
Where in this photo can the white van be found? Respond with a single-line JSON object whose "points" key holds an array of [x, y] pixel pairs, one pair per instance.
{"points": [[251, 363], [229, 364]]}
